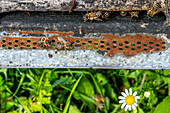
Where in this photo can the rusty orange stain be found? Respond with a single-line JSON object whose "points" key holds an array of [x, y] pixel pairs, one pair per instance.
{"points": [[129, 44]]}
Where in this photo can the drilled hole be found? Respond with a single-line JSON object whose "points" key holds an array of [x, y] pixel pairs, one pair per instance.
{"points": [[3, 45], [77, 41], [163, 42], [89, 46], [151, 47], [126, 42], [157, 49], [120, 44], [22, 43], [15, 45], [132, 44], [3, 40], [41, 45], [101, 41], [138, 42], [145, 44], [52, 40], [9, 47], [120, 48], [34, 43], [34, 47], [89, 41], [83, 43], [114, 41], [145, 49], [131, 37], [28, 45], [108, 44], [21, 47], [114, 46], [126, 46], [95, 48], [28, 41], [96, 44], [53, 45], [16, 41], [151, 42], [102, 46], [10, 43], [78, 45], [157, 44], [133, 49], [139, 47], [108, 48], [163, 47]]}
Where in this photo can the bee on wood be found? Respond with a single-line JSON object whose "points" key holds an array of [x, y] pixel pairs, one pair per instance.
{"points": [[63, 45], [92, 16], [123, 13], [100, 101], [105, 15], [154, 9], [134, 15], [44, 41]]}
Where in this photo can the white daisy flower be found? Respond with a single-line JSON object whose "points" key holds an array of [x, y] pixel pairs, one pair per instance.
{"points": [[129, 100], [146, 94]]}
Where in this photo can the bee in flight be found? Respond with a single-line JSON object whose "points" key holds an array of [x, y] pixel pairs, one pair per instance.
{"points": [[154, 9], [134, 15], [92, 16], [63, 45], [99, 101], [44, 41]]}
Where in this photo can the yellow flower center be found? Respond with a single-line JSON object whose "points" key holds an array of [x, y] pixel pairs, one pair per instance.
{"points": [[130, 100]]}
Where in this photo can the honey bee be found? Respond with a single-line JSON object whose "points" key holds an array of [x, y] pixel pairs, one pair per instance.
{"points": [[154, 9], [134, 15], [44, 41], [105, 15], [62, 45], [123, 13], [92, 16], [100, 101]]}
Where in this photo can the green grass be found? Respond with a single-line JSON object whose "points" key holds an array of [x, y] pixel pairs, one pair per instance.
{"points": [[75, 90]]}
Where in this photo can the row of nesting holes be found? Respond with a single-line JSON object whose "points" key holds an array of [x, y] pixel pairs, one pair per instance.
{"points": [[120, 44], [22, 43]]}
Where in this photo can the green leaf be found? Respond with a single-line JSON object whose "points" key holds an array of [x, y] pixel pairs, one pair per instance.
{"points": [[74, 109], [85, 87], [101, 78], [163, 107], [4, 70], [166, 72], [110, 92], [140, 110], [107, 103]]}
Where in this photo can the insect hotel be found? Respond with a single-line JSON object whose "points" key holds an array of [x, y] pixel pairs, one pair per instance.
{"points": [[85, 33]]}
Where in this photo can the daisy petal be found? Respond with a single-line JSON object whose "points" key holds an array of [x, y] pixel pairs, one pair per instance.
{"points": [[134, 94], [133, 107], [135, 104], [127, 106], [122, 101], [130, 107], [121, 97], [137, 97], [130, 91], [123, 94], [126, 91], [123, 105]]}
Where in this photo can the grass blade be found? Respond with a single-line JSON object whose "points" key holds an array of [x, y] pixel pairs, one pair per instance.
{"points": [[71, 93]]}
